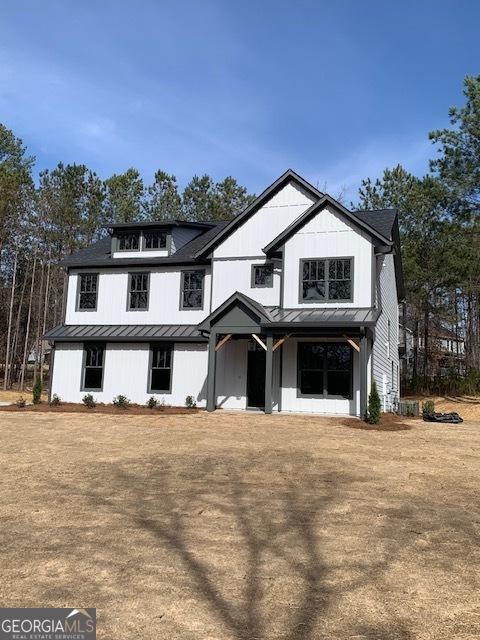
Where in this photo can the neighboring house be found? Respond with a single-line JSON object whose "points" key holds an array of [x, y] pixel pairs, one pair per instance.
{"points": [[291, 306], [446, 351]]}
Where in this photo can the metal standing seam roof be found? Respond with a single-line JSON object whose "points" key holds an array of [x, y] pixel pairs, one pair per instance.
{"points": [[329, 316], [125, 333]]}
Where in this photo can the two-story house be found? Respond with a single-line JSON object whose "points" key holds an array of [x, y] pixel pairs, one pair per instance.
{"points": [[290, 306]]}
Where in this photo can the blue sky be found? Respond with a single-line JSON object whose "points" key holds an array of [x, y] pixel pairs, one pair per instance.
{"points": [[335, 90]]}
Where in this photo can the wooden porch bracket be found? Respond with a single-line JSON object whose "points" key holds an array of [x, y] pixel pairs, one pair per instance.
{"points": [[352, 343], [260, 342], [279, 343], [223, 341]]}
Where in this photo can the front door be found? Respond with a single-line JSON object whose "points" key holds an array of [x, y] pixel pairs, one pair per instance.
{"points": [[256, 377]]}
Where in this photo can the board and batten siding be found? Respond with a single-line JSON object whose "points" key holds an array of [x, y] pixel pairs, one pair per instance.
{"points": [[234, 275], [328, 235], [163, 303], [126, 371], [385, 351], [268, 222]]}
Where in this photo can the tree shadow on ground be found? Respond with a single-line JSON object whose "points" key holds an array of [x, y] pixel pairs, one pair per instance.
{"points": [[246, 530]]}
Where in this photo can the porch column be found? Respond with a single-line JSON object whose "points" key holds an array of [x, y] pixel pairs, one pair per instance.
{"points": [[363, 374], [269, 375], [212, 361]]}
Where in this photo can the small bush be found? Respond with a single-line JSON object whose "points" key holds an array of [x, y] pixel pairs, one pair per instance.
{"points": [[190, 402], [21, 402], [37, 391], [161, 406], [374, 405], [55, 401], [121, 401], [89, 401], [428, 407], [152, 402]]}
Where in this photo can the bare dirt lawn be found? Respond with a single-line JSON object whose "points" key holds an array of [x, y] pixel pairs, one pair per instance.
{"points": [[243, 526]]}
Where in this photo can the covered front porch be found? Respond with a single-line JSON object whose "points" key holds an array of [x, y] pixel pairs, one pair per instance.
{"points": [[274, 359]]}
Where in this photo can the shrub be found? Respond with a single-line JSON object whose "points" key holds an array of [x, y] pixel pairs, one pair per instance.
{"points": [[152, 402], [21, 402], [55, 401], [89, 401], [428, 407], [121, 401], [37, 391], [190, 402], [161, 406], [374, 405]]}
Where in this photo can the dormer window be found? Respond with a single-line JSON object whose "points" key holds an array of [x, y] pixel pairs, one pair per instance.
{"points": [[128, 242], [155, 239]]}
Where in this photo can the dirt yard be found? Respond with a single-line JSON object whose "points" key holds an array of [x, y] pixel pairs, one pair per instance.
{"points": [[243, 526]]}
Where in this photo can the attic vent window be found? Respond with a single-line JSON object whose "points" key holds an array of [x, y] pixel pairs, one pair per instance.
{"points": [[155, 239], [128, 242]]}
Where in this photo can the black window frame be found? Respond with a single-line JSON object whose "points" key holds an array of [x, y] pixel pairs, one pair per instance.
{"points": [[167, 347], [85, 366], [268, 265], [184, 273], [325, 369], [82, 275], [326, 279], [154, 232], [131, 275], [128, 234]]}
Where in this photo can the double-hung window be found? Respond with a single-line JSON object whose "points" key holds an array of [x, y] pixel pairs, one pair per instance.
{"points": [[154, 240], [325, 369], [326, 279], [93, 359], [262, 275], [191, 293], [128, 242], [138, 291], [87, 292], [160, 375]]}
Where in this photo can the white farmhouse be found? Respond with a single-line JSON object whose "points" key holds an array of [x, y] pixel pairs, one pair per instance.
{"points": [[291, 306]]}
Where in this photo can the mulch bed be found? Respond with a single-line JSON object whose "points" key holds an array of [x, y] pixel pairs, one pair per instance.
{"points": [[388, 422], [70, 407]]}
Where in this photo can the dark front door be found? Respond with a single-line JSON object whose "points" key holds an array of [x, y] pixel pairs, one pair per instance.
{"points": [[256, 378]]}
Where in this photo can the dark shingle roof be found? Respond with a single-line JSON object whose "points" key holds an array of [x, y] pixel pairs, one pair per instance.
{"points": [[98, 254], [379, 219]]}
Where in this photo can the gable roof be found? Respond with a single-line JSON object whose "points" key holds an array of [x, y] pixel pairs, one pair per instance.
{"points": [[275, 187], [364, 222], [236, 299], [99, 253]]}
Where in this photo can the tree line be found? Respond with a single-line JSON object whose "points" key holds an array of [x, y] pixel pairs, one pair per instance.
{"points": [[440, 235], [65, 209]]}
